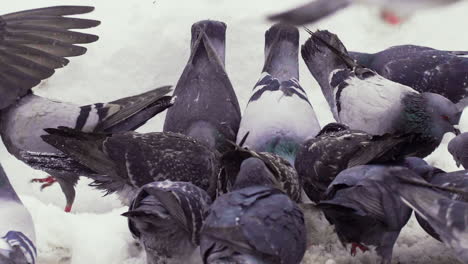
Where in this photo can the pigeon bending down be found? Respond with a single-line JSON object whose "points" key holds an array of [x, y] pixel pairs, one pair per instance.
{"points": [[206, 107], [391, 11], [364, 210], [458, 147], [279, 116], [337, 148], [124, 162], [17, 235], [446, 215], [254, 223], [34, 43], [421, 68], [285, 177], [166, 217], [364, 100]]}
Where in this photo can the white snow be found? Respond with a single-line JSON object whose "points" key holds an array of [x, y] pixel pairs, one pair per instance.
{"points": [[145, 44]]}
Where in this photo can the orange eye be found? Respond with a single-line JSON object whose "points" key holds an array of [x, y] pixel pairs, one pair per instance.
{"points": [[446, 118]]}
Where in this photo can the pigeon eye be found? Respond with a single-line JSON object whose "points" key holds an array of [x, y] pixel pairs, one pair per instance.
{"points": [[446, 118]]}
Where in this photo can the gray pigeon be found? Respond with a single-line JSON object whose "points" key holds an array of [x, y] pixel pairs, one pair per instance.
{"points": [[392, 11], [285, 176], [458, 147], [448, 216], [254, 223], [17, 235], [279, 116], [363, 209], [337, 148], [166, 217], [364, 100], [123, 162], [206, 106], [421, 68], [34, 43]]}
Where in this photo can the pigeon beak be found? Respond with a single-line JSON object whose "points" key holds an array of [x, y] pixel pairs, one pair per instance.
{"points": [[458, 163], [456, 130]]}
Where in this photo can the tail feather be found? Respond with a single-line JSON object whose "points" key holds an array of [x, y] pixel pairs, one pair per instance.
{"points": [[132, 112], [208, 36], [310, 12]]}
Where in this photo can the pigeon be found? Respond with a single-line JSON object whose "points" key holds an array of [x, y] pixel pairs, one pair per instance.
{"points": [[206, 107], [35, 43], [364, 100], [166, 217], [391, 11], [17, 235], [254, 223], [364, 211], [458, 147], [337, 148], [422, 68], [124, 162], [284, 175], [279, 116], [446, 215]]}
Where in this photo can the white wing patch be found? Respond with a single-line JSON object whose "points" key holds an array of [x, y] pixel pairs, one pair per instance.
{"points": [[371, 104]]}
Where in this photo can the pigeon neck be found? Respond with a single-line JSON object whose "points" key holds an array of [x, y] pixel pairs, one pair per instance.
{"points": [[415, 118], [363, 59], [204, 132], [282, 53], [286, 148]]}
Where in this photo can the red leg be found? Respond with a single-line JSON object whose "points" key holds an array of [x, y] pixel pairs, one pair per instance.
{"points": [[390, 17], [48, 181], [68, 208]]}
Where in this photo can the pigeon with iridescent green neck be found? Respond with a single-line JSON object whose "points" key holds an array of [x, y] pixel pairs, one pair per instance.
{"points": [[279, 116]]}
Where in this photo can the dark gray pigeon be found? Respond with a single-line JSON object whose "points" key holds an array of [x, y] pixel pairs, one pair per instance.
{"points": [[17, 235], [254, 223], [363, 209], [166, 217], [34, 43], [392, 11], [337, 148], [279, 116], [284, 175], [123, 162], [458, 147], [206, 106], [421, 68], [447, 215], [364, 100]]}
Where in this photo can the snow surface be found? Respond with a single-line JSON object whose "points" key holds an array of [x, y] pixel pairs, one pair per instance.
{"points": [[145, 44]]}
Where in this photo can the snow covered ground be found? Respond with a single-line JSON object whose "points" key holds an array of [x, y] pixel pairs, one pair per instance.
{"points": [[145, 44]]}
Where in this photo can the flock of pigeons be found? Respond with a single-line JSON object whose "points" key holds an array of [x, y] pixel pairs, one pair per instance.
{"points": [[235, 185]]}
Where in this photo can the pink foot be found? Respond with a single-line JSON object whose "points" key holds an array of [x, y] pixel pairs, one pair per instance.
{"points": [[357, 245], [68, 208], [390, 18], [48, 181]]}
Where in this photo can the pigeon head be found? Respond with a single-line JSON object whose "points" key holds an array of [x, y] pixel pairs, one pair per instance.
{"points": [[210, 31], [458, 147], [443, 112], [253, 171]]}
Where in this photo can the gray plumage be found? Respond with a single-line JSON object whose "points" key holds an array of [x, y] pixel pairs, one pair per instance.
{"points": [[35, 42], [206, 107], [448, 216], [422, 68], [362, 99], [17, 234], [363, 209], [124, 162], [458, 147], [281, 173], [279, 116], [166, 217], [392, 11], [337, 148], [253, 224]]}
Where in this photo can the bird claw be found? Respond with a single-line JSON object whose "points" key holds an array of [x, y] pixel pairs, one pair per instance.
{"points": [[357, 245], [48, 181]]}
